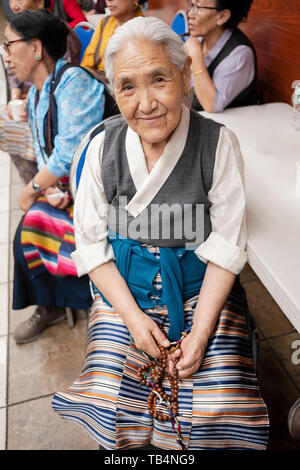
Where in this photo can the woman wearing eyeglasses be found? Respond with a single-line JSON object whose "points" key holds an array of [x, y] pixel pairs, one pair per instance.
{"points": [[15, 136], [224, 66], [44, 274]]}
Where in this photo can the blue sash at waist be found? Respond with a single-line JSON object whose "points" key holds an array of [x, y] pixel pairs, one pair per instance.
{"points": [[181, 273]]}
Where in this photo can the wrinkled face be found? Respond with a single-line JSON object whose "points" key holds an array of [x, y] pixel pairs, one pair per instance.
{"points": [[149, 90], [119, 8], [20, 5], [202, 21], [20, 57]]}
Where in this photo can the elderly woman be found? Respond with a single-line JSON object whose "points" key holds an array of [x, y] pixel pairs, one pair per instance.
{"points": [[224, 60], [44, 273], [160, 229]]}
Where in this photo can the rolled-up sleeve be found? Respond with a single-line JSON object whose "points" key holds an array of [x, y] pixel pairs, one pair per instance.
{"points": [[90, 214], [226, 244]]}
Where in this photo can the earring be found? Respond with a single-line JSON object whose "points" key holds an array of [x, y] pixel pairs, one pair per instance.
{"points": [[37, 57]]}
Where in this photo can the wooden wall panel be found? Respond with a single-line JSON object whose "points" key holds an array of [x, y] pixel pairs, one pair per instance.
{"points": [[274, 28]]}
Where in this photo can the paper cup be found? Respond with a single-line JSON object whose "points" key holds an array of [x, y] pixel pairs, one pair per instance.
{"points": [[17, 109]]}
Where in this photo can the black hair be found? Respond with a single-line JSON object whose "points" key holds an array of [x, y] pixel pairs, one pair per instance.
{"points": [[47, 3], [39, 24], [239, 10]]}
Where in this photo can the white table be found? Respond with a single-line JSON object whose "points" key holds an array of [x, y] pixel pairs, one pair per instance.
{"points": [[271, 149]]}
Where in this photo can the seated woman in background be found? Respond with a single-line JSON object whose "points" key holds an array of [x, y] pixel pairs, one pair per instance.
{"points": [[121, 11], [169, 360], [15, 136], [224, 66], [44, 274], [68, 11]]}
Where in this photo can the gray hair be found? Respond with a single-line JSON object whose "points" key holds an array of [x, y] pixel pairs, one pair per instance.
{"points": [[150, 28]]}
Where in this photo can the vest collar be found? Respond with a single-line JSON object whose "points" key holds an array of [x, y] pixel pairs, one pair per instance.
{"points": [[148, 184]]}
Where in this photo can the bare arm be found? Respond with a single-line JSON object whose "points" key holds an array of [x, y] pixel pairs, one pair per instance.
{"points": [[204, 87], [144, 331], [45, 180]]}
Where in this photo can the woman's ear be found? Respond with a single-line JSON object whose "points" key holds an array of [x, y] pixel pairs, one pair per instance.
{"points": [[223, 17], [37, 49]]}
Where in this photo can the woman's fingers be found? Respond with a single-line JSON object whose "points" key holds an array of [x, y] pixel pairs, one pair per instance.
{"points": [[147, 336], [160, 337]]}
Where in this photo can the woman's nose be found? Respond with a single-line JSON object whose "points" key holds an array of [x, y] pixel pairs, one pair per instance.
{"points": [[14, 6], [147, 101]]}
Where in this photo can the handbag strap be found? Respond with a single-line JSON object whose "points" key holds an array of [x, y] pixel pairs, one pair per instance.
{"points": [[97, 58]]}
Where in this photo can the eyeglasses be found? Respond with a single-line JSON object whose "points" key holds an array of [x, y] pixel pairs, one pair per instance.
{"points": [[7, 44], [196, 8]]}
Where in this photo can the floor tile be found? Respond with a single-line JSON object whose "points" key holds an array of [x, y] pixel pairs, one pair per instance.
{"points": [[15, 217], [3, 309], [48, 364], [267, 315], [4, 158], [277, 389], [16, 191], [2, 428], [287, 347], [4, 226], [4, 262], [3, 370], [5, 175], [4, 198], [15, 177], [45, 430], [11, 263]]}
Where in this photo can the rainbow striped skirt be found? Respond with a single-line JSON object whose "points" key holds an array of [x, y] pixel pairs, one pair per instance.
{"points": [[220, 406], [48, 240]]}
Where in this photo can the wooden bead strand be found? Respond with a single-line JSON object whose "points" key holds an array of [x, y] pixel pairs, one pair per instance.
{"points": [[153, 374]]}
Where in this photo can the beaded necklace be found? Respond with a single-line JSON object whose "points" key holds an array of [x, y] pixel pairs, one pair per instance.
{"points": [[152, 375]]}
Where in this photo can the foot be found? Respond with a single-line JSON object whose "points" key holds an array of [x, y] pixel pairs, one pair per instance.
{"points": [[43, 317], [294, 420]]}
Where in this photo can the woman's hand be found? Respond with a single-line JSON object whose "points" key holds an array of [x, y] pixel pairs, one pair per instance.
{"points": [[193, 47], [146, 334], [57, 198], [27, 198], [190, 355]]}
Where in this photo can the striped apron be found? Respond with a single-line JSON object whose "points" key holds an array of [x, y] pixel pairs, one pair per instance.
{"points": [[220, 406]]}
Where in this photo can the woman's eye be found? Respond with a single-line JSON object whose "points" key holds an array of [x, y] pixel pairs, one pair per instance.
{"points": [[127, 87]]}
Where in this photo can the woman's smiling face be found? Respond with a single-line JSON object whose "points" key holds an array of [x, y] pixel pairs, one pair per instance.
{"points": [[149, 90]]}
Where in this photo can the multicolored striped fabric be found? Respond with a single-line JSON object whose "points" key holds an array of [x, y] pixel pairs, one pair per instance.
{"points": [[48, 239], [220, 406], [16, 138]]}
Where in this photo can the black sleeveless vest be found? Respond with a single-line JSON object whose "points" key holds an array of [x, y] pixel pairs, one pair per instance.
{"points": [[185, 190], [248, 95]]}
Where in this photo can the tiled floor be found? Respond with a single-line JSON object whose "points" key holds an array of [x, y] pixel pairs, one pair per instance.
{"points": [[31, 373]]}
